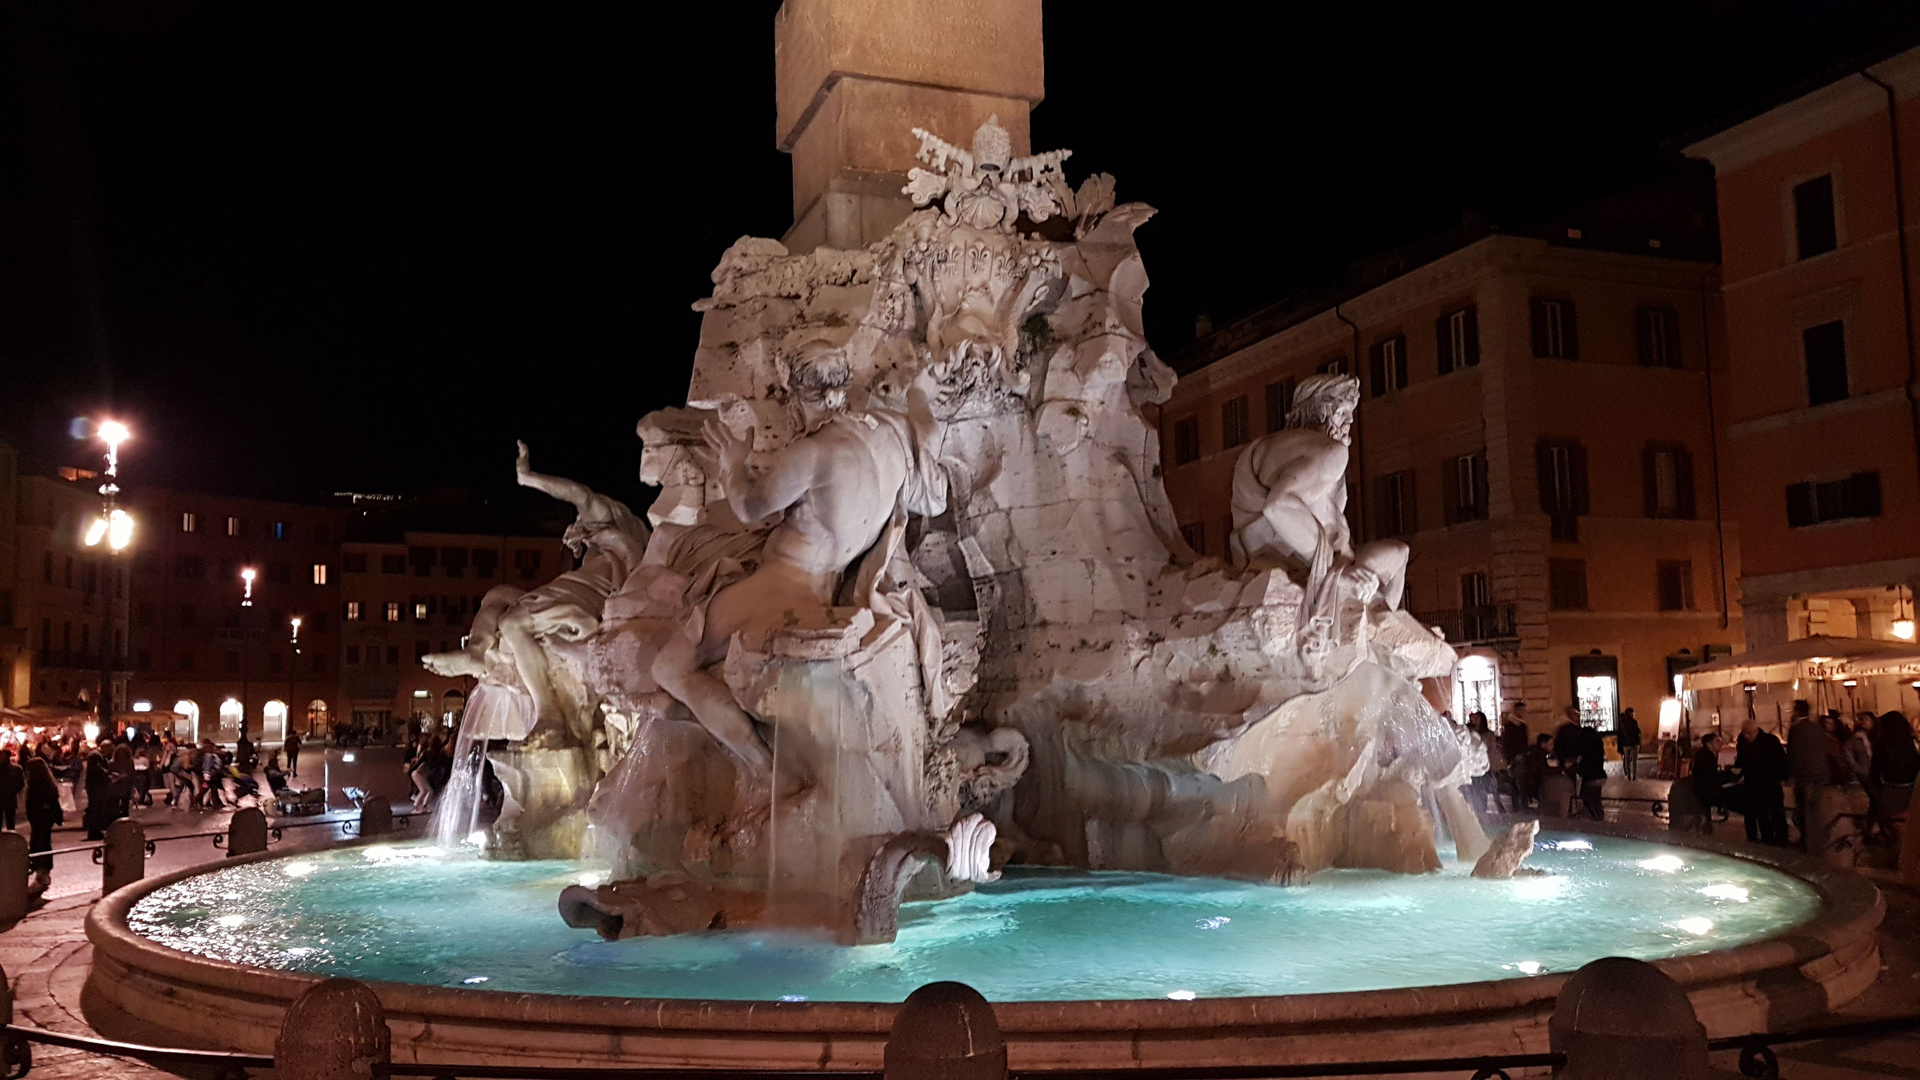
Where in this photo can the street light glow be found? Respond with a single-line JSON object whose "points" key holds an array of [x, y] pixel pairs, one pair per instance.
{"points": [[246, 594], [113, 433]]}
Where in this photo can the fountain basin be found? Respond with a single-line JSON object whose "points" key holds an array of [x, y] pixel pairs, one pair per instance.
{"points": [[1353, 967]]}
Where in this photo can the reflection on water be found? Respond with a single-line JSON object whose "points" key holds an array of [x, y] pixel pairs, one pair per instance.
{"points": [[425, 914]]}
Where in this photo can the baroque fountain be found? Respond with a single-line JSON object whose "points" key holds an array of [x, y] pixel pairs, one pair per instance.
{"points": [[907, 674]]}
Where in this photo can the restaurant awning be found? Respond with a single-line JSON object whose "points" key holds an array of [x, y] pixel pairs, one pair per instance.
{"points": [[1808, 658]]}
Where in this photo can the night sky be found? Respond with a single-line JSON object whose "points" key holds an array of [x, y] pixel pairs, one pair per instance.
{"points": [[309, 247]]}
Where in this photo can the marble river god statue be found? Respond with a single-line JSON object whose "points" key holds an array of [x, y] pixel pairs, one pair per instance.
{"points": [[914, 604]]}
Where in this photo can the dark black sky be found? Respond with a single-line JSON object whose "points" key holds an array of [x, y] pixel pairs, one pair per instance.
{"points": [[314, 246]]}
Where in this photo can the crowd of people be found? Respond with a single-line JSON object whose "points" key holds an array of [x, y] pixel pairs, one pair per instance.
{"points": [[1875, 754], [1751, 776], [50, 773]]}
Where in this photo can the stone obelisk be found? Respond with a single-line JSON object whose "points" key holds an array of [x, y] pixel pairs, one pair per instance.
{"points": [[854, 77]]}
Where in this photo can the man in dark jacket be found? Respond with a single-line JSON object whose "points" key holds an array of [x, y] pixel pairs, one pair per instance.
{"points": [[1592, 769], [1762, 764], [1811, 752], [13, 781], [1567, 740], [1626, 735]]}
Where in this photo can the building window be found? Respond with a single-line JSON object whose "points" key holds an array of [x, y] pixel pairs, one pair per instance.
{"points": [[1279, 404], [1554, 335], [275, 662], [420, 650], [234, 527], [1186, 447], [353, 611], [1465, 479], [1669, 481], [1235, 422], [353, 562], [528, 562], [422, 559], [189, 522], [1387, 364], [393, 611], [1567, 584], [1562, 469], [1457, 337], [233, 661], [1196, 536], [393, 654], [420, 611], [353, 654], [485, 562], [1826, 353], [1335, 365], [393, 564], [1475, 593], [277, 530], [1814, 225], [319, 573], [46, 567], [1657, 335], [1856, 496], [1395, 512], [1675, 585], [453, 560]]}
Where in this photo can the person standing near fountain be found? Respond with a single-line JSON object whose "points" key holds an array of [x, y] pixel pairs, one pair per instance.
{"points": [[43, 813]]}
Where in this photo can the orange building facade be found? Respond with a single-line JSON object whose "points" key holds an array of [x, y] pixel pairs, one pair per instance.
{"points": [[1820, 421], [1534, 423]]}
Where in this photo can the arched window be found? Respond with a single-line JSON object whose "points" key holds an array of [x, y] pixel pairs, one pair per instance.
{"points": [[188, 726], [317, 717], [273, 727], [232, 715]]}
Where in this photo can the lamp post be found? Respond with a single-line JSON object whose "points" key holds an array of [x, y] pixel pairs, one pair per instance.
{"points": [[115, 527]]}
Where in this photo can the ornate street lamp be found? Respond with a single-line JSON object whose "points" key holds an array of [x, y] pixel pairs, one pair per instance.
{"points": [[115, 527]]}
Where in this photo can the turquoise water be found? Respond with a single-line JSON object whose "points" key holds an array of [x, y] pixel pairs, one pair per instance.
{"points": [[413, 913]]}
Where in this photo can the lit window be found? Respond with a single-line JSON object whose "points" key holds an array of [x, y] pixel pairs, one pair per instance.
{"points": [[277, 531], [233, 526], [419, 611], [319, 573], [393, 611], [188, 522], [353, 611]]}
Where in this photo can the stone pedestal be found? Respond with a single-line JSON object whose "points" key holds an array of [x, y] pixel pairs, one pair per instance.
{"points": [[854, 77]]}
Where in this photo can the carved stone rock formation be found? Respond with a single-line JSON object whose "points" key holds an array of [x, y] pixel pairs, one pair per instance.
{"points": [[1502, 859]]}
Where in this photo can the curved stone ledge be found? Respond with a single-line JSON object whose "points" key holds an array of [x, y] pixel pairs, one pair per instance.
{"points": [[1765, 985]]}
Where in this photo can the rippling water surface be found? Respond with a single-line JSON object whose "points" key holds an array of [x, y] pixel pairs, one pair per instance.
{"points": [[415, 913]]}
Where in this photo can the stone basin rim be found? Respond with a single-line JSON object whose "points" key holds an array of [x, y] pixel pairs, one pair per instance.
{"points": [[1851, 907]]}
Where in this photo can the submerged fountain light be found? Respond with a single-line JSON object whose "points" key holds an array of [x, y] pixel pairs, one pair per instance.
{"points": [[1571, 845], [1696, 926], [1539, 888], [1181, 995], [1528, 967], [1736, 893], [793, 997], [299, 869], [1664, 864], [474, 980]]}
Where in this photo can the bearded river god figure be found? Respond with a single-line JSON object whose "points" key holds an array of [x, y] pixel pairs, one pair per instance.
{"points": [[915, 605]]}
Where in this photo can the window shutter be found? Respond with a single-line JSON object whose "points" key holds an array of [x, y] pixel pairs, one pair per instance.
{"points": [[1539, 328], [1543, 472], [1650, 477], [1400, 362], [1569, 331], [1450, 501], [1410, 503], [1443, 343], [1643, 338], [1480, 507], [1377, 367], [1472, 359], [1577, 459], [1683, 470], [1799, 505]]}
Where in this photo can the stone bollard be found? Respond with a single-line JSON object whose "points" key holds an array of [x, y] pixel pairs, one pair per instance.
{"points": [[376, 816], [14, 863], [1557, 792], [246, 832], [335, 1030], [945, 1031], [123, 856], [1621, 1019]]}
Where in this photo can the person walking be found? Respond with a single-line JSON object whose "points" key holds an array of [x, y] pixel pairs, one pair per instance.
{"points": [[1891, 775], [43, 813], [13, 781], [1763, 767], [1811, 753], [292, 749], [1626, 735]]}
